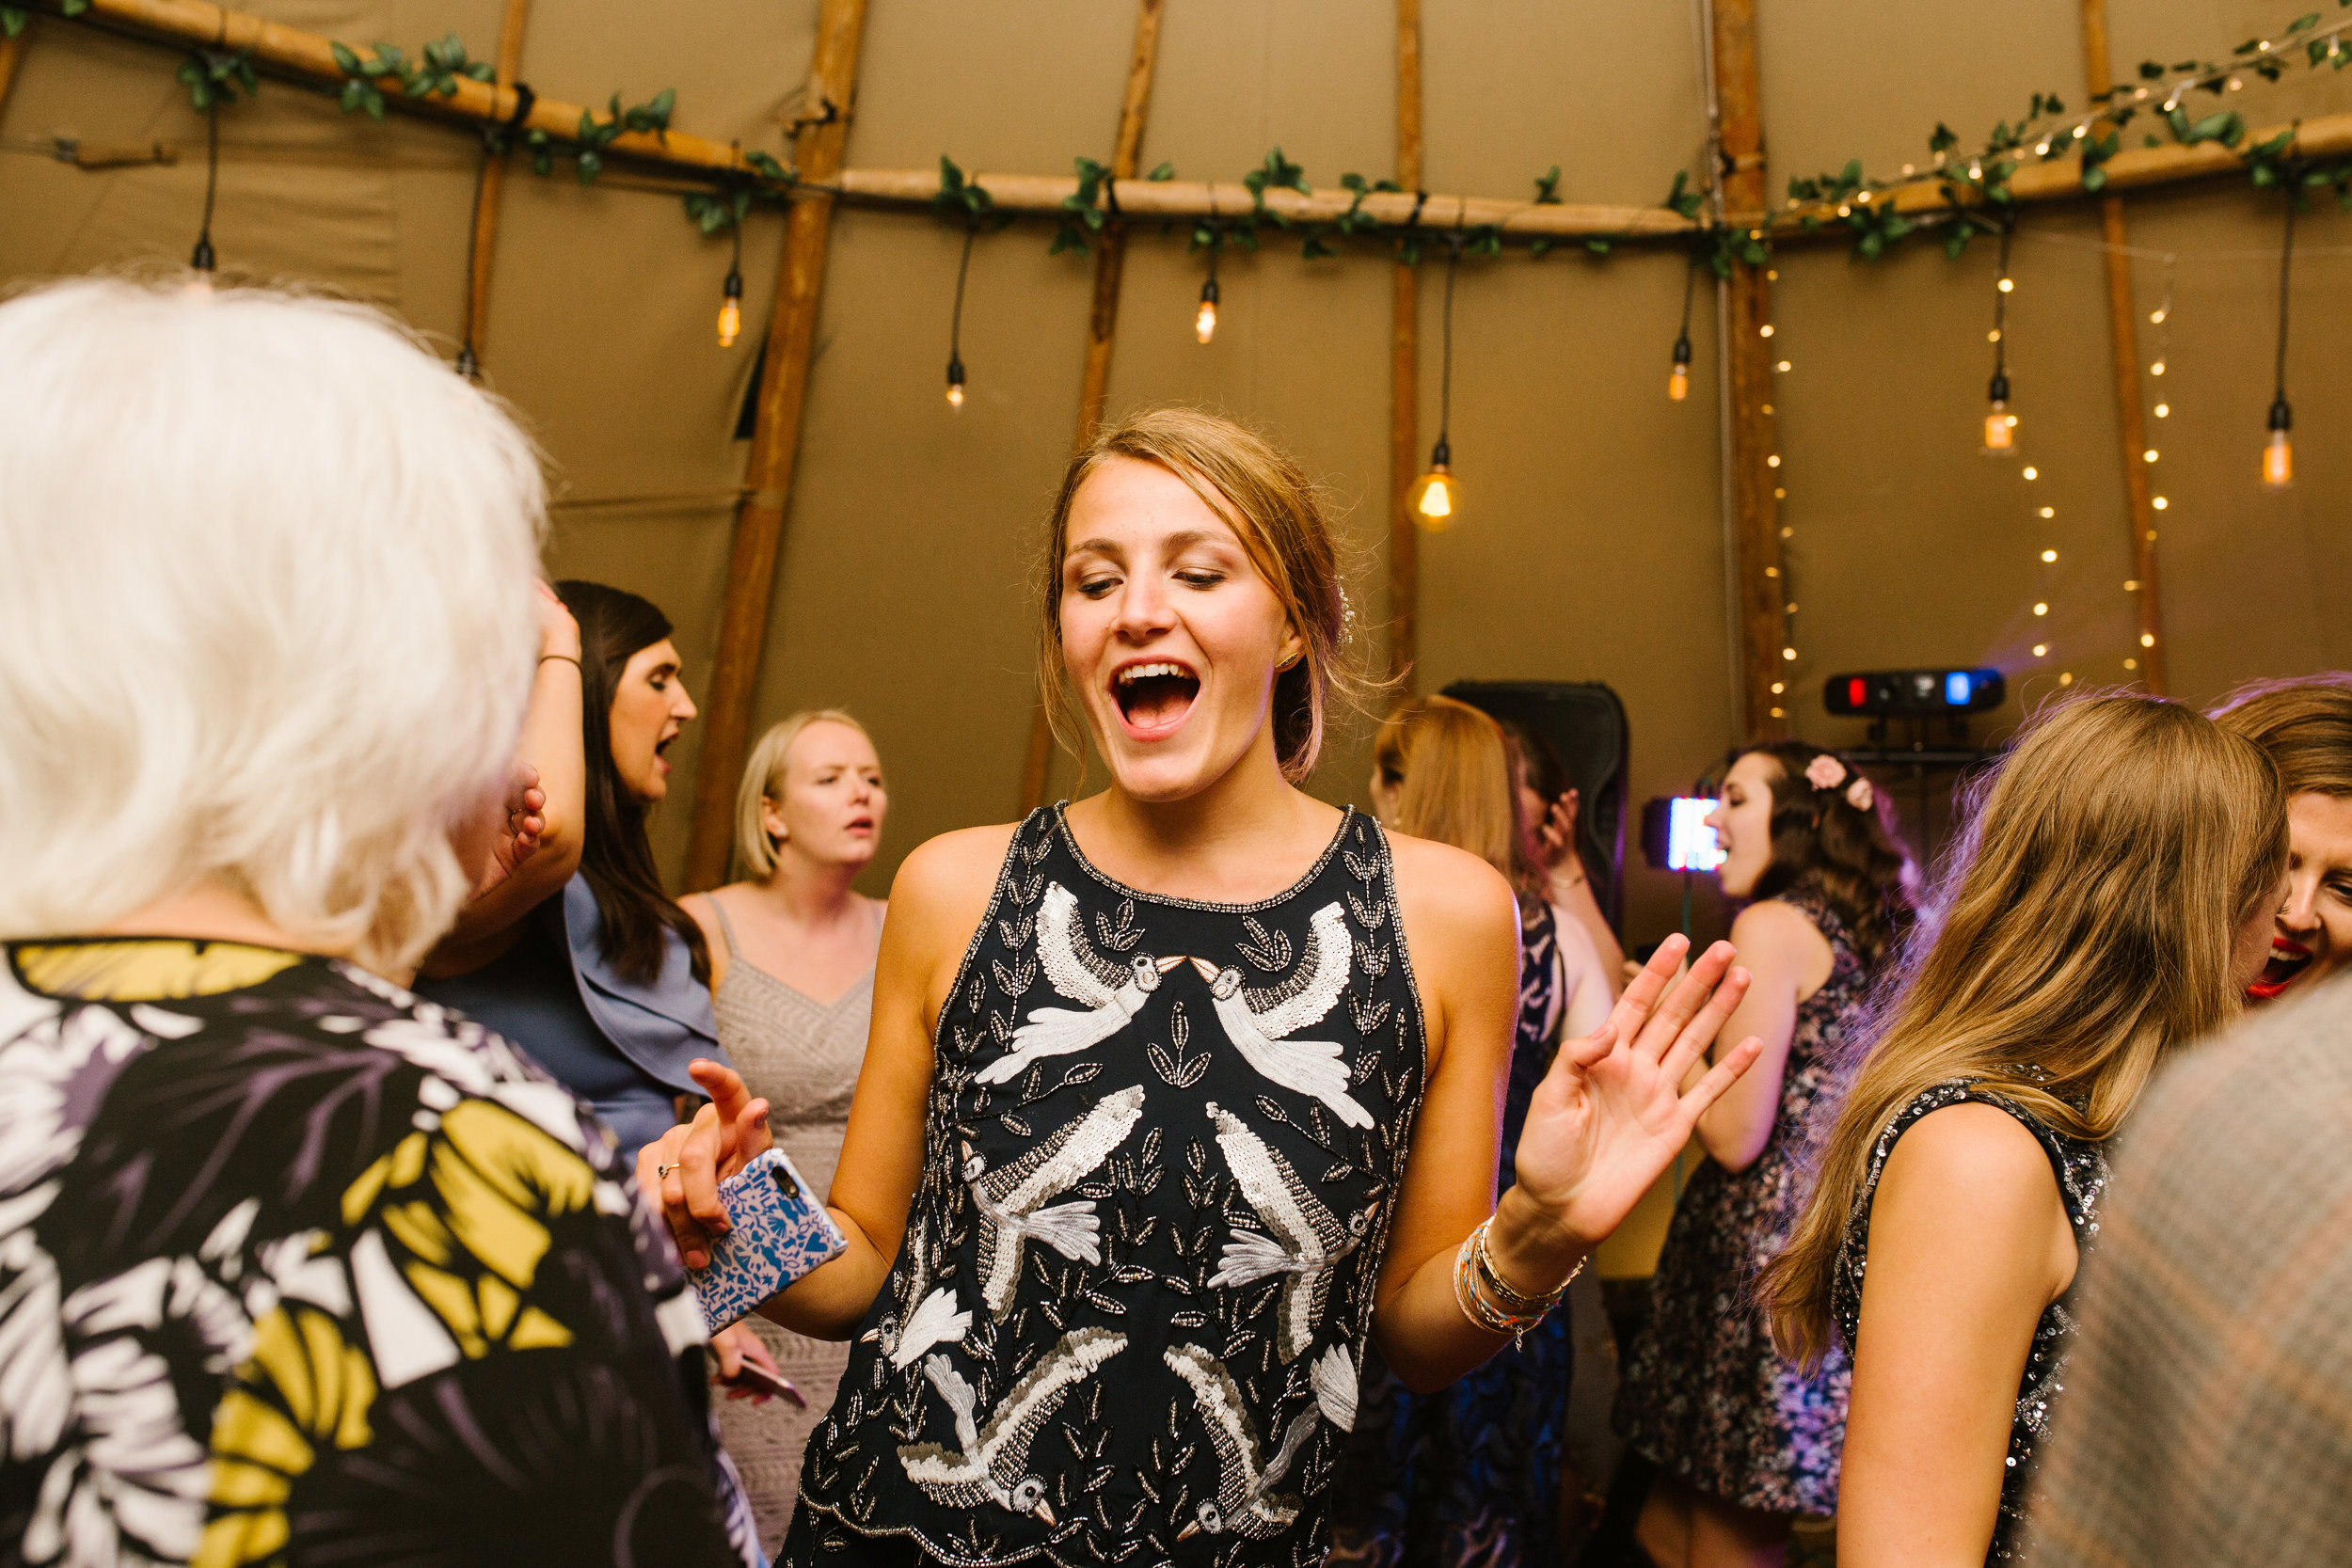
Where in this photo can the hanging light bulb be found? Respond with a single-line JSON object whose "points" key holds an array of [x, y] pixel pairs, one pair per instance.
{"points": [[1436, 494], [2000, 425], [1436, 498], [955, 382], [1678, 379], [1204, 323], [2279, 453], [731, 310]]}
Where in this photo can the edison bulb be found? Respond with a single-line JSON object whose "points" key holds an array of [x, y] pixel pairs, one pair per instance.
{"points": [[2000, 431], [730, 322], [2277, 461], [1204, 321], [1436, 498], [955, 394]]}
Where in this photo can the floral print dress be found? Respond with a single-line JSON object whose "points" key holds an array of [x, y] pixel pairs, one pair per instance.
{"points": [[1705, 1396], [297, 1269]]}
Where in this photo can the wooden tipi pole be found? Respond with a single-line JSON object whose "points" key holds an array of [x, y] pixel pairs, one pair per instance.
{"points": [[1757, 592], [488, 188], [1110, 260], [2124, 332], [1405, 367], [775, 444]]}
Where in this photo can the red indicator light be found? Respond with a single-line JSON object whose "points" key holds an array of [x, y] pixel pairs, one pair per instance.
{"points": [[1857, 691]]}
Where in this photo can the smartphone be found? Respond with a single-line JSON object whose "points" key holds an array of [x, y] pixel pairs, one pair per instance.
{"points": [[760, 1380], [780, 1232]]}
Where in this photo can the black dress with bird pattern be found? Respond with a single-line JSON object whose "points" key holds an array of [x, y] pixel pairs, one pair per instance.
{"points": [[1161, 1159]]}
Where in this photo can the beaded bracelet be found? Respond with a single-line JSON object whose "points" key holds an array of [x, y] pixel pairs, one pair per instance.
{"points": [[1488, 1301]]}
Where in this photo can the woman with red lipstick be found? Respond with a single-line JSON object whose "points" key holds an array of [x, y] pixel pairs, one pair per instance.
{"points": [[1178, 1097], [792, 980], [603, 979], [2306, 727]]}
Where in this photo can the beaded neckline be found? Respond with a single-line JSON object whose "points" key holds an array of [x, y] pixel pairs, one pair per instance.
{"points": [[1348, 815]]}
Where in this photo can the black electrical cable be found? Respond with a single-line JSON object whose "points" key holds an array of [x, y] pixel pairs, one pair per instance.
{"points": [[2286, 260], [1444, 453], [954, 321], [1998, 391], [202, 259]]}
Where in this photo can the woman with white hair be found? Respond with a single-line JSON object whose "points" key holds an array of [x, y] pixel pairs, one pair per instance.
{"points": [[792, 952], [294, 1267]]}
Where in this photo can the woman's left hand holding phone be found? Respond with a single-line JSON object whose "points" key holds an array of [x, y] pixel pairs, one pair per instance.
{"points": [[680, 1173]]}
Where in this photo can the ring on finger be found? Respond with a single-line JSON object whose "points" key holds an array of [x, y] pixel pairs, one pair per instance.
{"points": [[662, 1172]]}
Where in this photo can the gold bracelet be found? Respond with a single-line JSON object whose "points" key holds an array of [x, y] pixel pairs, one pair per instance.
{"points": [[1514, 1301]]}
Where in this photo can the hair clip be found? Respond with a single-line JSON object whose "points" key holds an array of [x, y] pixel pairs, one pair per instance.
{"points": [[1826, 771], [1859, 794]]}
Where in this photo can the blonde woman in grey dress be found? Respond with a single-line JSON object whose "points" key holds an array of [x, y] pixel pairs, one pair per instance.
{"points": [[792, 979]]}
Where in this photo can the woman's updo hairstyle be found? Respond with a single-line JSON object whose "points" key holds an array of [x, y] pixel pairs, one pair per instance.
{"points": [[1834, 834], [1279, 515]]}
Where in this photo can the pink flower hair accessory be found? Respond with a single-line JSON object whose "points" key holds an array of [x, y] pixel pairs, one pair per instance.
{"points": [[1825, 772], [1859, 794]]}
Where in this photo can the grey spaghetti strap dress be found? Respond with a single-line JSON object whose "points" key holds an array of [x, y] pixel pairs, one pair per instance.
{"points": [[802, 1057]]}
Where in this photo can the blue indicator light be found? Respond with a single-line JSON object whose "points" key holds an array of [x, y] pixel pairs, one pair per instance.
{"points": [[1956, 688]]}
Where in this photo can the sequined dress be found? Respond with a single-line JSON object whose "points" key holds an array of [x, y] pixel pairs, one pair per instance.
{"points": [[2081, 1169], [1470, 1475], [1162, 1152], [1705, 1395]]}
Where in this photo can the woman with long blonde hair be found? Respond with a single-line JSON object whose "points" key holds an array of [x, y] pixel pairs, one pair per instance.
{"points": [[1472, 1474], [2108, 903]]}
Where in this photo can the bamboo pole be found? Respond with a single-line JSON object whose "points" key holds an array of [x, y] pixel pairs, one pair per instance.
{"points": [[776, 444], [1110, 260], [2124, 332], [1757, 591], [1404, 368], [489, 187], [306, 58]]}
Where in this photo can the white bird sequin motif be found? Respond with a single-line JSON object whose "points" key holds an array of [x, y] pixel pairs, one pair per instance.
{"points": [[990, 1464], [1011, 1197], [1245, 1503], [1260, 1022], [1308, 1240], [1110, 994], [933, 1320]]}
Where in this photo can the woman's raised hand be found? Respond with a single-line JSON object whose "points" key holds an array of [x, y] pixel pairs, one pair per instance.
{"points": [[1609, 1116], [680, 1172]]}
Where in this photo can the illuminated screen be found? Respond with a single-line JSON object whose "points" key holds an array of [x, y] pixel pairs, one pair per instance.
{"points": [[1689, 842], [1956, 688]]}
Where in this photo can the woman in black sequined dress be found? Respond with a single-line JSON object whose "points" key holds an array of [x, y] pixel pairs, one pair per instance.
{"points": [[1178, 1097], [1744, 1441], [2109, 902]]}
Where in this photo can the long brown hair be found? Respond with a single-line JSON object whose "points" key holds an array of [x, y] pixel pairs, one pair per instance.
{"points": [[2093, 900], [2305, 725], [1823, 843], [1279, 516], [1453, 769], [616, 856]]}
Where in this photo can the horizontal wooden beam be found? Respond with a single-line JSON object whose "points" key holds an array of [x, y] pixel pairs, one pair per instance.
{"points": [[310, 59], [307, 57], [2061, 179]]}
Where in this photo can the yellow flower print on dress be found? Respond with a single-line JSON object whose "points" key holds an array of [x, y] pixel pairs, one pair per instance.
{"points": [[304, 1387]]}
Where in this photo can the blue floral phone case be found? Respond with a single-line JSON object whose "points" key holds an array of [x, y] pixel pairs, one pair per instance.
{"points": [[781, 1232]]}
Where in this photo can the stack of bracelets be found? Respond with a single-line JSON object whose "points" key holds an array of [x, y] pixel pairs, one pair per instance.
{"points": [[1489, 1303]]}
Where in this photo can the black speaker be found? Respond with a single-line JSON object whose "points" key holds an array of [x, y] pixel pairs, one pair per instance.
{"points": [[1584, 724]]}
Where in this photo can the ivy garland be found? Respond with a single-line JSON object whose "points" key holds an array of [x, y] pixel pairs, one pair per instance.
{"points": [[1975, 189]]}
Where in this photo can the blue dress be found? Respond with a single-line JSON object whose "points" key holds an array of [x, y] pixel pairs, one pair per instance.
{"points": [[621, 1046], [1471, 1474]]}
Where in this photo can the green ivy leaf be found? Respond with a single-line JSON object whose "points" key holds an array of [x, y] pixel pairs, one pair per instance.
{"points": [[1539, 247], [1548, 187], [2274, 146], [1596, 247], [346, 60], [1314, 250], [74, 8], [590, 165], [2095, 178], [1161, 174], [1943, 140]]}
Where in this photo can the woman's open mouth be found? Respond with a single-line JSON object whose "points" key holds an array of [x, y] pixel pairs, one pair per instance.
{"points": [[1154, 696], [2287, 962], [660, 747]]}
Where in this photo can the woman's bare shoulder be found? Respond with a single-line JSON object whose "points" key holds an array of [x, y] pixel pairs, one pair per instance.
{"points": [[946, 881]]}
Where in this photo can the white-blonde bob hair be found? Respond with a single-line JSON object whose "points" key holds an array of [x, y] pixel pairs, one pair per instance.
{"points": [[763, 781], [269, 612]]}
